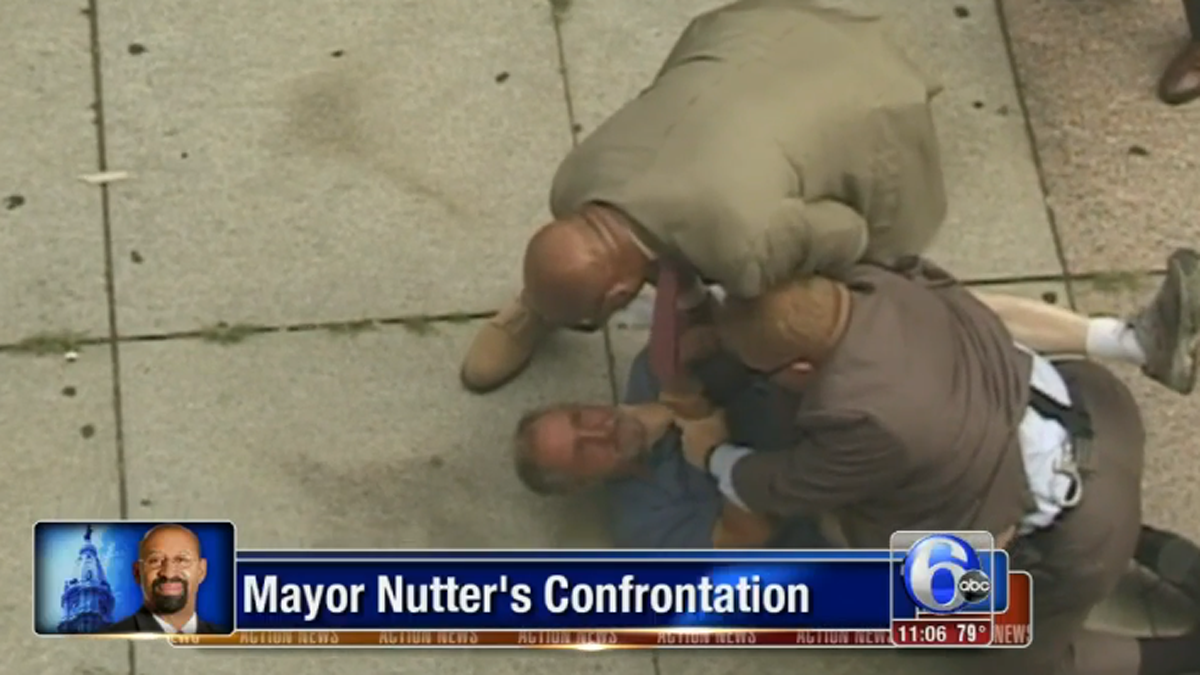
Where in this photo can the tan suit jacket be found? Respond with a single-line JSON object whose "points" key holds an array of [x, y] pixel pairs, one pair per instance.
{"points": [[777, 139]]}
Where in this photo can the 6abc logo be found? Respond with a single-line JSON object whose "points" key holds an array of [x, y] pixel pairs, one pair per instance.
{"points": [[943, 574]]}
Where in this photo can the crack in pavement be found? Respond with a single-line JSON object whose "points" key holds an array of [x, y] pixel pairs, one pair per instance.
{"points": [[57, 342], [233, 332]]}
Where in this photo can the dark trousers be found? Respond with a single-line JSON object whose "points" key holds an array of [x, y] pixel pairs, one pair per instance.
{"points": [[1191, 8], [1077, 562]]}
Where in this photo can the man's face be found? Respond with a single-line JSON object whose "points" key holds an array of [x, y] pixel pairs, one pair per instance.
{"points": [[170, 570], [588, 442], [617, 296]]}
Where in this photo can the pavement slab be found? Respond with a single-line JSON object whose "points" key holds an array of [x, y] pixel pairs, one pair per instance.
{"points": [[331, 164], [330, 440], [1121, 168], [612, 50], [51, 228], [60, 453]]}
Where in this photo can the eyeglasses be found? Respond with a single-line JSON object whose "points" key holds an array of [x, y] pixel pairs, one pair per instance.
{"points": [[157, 562]]}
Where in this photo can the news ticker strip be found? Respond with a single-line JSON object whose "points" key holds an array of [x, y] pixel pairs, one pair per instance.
{"points": [[568, 639]]}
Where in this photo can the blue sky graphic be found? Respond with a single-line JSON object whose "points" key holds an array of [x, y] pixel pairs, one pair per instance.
{"points": [[56, 554]]}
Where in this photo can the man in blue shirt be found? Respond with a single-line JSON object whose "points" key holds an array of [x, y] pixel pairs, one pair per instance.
{"points": [[656, 498]]}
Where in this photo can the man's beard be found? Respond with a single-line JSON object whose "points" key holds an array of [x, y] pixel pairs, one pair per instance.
{"points": [[168, 604]]}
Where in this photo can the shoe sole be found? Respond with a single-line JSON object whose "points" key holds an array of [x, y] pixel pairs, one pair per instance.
{"points": [[1183, 273]]}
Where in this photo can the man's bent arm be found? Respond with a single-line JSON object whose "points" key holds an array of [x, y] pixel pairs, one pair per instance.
{"points": [[842, 460]]}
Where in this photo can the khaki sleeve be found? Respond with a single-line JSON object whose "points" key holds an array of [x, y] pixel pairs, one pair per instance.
{"points": [[842, 459], [803, 239]]}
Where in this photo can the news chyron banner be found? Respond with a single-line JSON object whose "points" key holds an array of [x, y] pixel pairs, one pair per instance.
{"points": [[186, 582]]}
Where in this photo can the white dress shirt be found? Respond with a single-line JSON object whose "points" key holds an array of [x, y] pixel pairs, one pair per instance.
{"points": [[189, 628]]}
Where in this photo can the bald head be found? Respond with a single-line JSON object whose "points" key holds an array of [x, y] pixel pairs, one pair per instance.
{"points": [[566, 270], [174, 533], [800, 320], [582, 268]]}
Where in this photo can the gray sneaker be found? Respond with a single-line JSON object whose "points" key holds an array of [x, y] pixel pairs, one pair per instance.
{"points": [[1167, 328]]}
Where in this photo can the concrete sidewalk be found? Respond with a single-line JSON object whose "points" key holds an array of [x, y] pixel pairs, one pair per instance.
{"points": [[323, 200]]}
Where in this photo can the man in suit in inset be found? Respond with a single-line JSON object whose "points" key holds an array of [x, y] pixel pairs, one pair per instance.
{"points": [[170, 570]]}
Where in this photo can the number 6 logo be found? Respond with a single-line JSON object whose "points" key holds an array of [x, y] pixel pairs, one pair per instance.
{"points": [[933, 570]]}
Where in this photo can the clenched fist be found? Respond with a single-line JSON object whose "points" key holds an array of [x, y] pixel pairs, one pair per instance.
{"points": [[701, 435]]}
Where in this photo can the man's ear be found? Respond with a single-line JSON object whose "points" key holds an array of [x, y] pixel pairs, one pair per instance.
{"points": [[620, 295], [796, 374], [137, 571], [201, 571]]}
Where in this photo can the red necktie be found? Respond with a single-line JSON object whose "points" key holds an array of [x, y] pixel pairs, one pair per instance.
{"points": [[664, 326]]}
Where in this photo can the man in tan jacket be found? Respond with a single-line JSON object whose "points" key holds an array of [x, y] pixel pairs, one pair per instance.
{"points": [[779, 139], [916, 411]]}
